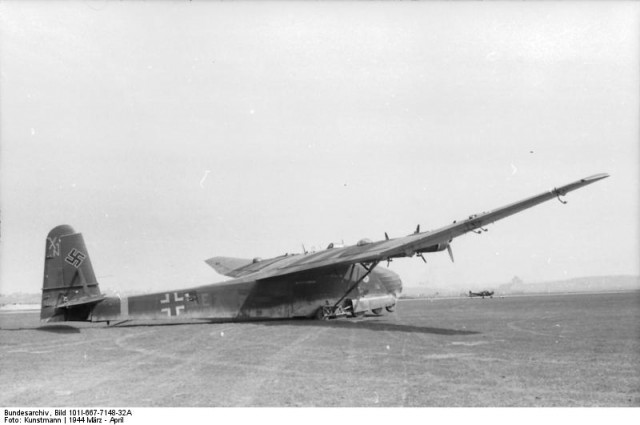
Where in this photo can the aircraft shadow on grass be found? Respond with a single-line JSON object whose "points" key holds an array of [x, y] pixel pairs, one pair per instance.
{"points": [[58, 329], [368, 324], [371, 325]]}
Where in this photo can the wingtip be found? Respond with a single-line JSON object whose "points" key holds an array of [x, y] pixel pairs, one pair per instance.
{"points": [[596, 177]]}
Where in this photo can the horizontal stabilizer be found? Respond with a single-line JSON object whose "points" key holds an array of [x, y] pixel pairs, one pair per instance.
{"points": [[81, 301]]}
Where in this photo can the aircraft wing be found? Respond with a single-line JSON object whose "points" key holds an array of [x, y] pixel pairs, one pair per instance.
{"points": [[227, 266], [417, 243]]}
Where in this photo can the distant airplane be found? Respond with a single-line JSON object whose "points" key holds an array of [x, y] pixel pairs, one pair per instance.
{"points": [[481, 294], [339, 281]]}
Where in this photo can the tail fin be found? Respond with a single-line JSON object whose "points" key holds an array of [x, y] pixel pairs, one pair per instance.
{"points": [[69, 289]]}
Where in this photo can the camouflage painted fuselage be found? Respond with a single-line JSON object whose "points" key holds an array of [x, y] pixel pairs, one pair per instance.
{"points": [[296, 295]]}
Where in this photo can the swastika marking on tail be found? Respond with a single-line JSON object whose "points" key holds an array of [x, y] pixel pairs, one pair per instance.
{"points": [[75, 258]]}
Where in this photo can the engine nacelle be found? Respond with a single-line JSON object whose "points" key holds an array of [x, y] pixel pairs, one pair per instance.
{"points": [[435, 248]]}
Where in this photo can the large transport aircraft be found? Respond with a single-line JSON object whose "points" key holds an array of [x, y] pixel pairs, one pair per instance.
{"points": [[339, 281]]}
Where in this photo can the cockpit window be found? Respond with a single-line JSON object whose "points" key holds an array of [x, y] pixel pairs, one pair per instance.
{"points": [[365, 241]]}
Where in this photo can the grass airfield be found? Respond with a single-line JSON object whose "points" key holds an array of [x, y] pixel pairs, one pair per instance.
{"points": [[563, 350]]}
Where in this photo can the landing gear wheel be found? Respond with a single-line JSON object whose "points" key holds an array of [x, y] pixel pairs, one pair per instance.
{"points": [[391, 308], [320, 314], [377, 311]]}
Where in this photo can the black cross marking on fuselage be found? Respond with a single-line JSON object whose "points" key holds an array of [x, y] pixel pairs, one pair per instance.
{"points": [[75, 258], [173, 308]]}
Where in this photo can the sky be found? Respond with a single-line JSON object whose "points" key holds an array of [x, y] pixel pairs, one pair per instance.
{"points": [[171, 132]]}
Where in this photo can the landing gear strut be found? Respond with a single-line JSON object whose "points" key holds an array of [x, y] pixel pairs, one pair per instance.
{"points": [[369, 269], [338, 309]]}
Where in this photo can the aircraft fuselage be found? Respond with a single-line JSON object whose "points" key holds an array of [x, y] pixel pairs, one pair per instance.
{"points": [[481, 294], [296, 295]]}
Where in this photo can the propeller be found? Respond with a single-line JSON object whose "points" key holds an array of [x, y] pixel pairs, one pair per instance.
{"points": [[450, 251]]}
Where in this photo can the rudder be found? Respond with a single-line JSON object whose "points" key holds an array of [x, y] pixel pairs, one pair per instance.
{"points": [[69, 289]]}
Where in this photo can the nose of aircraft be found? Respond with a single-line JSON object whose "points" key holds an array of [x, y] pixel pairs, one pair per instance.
{"points": [[389, 279]]}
